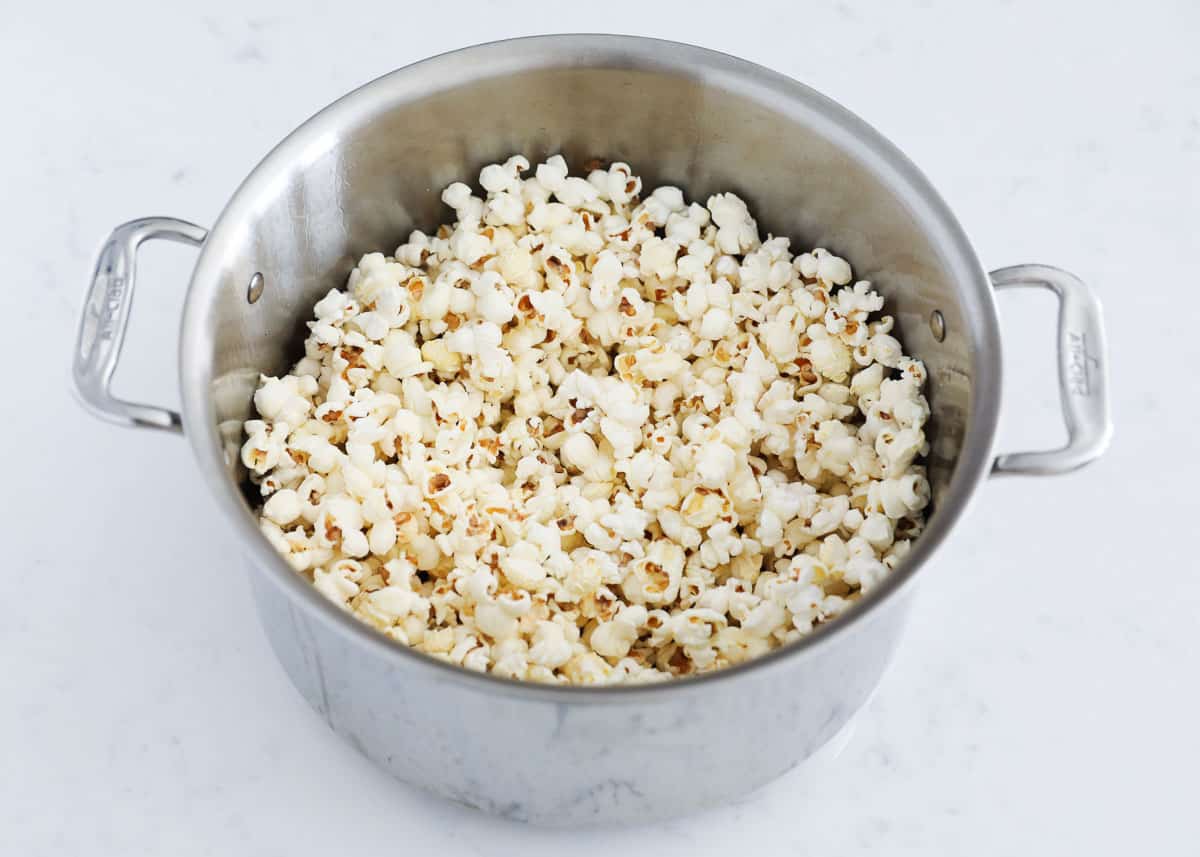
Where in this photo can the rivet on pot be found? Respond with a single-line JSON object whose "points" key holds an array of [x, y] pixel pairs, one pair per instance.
{"points": [[937, 324], [255, 289]]}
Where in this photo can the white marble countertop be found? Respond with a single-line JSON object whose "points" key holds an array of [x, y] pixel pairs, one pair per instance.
{"points": [[1045, 699]]}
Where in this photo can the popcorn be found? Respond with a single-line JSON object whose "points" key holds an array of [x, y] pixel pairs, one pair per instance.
{"points": [[614, 638], [717, 323], [522, 566], [831, 269], [282, 507], [550, 647], [492, 619], [737, 232], [715, 463], [552, 174], [264, 447], [587, 434], [657, 258], [885, 350], [829, 355]]}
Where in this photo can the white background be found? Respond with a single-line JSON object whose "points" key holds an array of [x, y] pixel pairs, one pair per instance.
{"points": [[1045, 700]]}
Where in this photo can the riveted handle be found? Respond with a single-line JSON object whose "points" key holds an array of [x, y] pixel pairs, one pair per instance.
{"points": [[1082, 372], [105, 316]]}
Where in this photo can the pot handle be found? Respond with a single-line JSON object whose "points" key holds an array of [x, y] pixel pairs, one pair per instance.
{"points": [[105, 315], [1082, 372]]}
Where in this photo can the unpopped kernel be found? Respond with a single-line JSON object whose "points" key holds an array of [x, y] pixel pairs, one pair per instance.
{"points": [[591, 435]]}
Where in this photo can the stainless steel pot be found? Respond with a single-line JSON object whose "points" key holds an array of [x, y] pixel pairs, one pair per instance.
{"points": [[362, 173]]}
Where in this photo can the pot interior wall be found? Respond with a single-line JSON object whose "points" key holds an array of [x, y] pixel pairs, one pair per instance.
{"points": [[356, 183]]}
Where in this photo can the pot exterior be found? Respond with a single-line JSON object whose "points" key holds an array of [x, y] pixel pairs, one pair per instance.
{"points": [[361, 174], [567, 763]]}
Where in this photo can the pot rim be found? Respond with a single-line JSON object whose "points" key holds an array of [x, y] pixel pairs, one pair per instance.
{"points": [[500, 58]]}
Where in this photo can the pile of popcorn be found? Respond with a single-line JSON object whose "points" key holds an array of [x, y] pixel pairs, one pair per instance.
{"points": [[585, 435]]}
